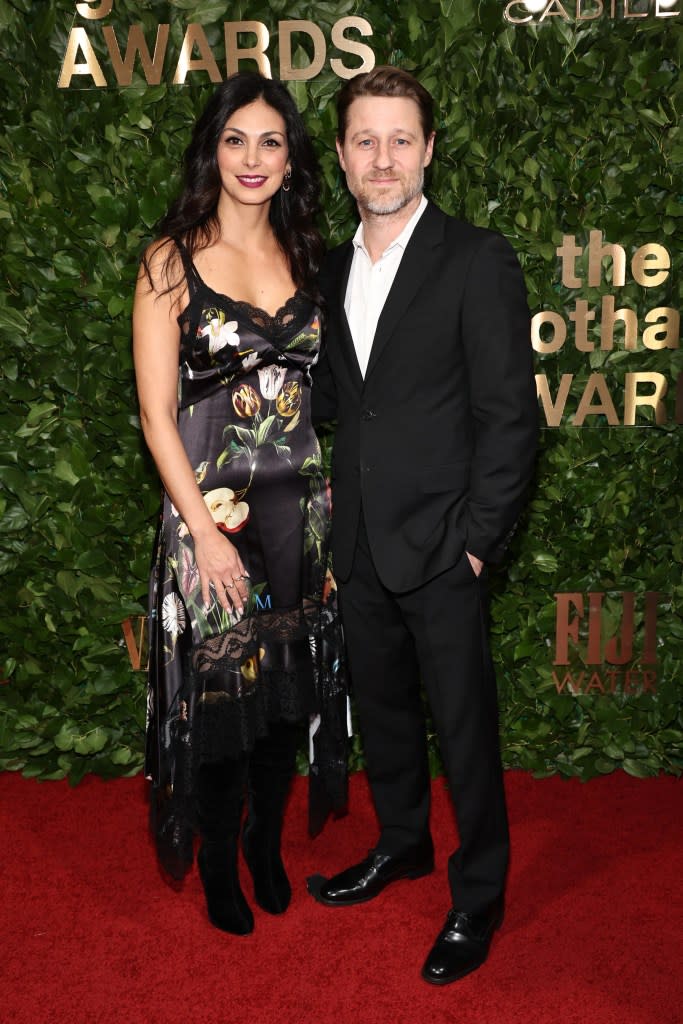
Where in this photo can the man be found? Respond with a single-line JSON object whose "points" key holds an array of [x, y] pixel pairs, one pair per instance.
{"points": [[427, 369]]}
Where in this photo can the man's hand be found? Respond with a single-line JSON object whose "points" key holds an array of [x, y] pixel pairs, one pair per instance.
{"points": [[476, 563]]}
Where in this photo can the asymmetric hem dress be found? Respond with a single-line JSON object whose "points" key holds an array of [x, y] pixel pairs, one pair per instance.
{"points": [[217, 679]]}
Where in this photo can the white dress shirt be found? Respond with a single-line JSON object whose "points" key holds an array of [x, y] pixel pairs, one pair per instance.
{"points": [[369, 284]]}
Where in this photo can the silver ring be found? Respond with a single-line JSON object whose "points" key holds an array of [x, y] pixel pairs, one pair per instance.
{"points": [[229, 586]]}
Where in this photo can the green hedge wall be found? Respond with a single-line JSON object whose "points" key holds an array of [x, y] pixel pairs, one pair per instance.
{"points": [[544, 130]]}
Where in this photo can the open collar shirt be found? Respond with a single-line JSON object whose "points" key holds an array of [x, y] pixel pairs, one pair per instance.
{"points": [[369, 285]]}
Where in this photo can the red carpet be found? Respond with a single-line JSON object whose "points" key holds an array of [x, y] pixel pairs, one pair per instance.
{"points": [[92, 935]]}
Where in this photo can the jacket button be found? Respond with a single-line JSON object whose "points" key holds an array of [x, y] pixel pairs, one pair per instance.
{"points": [[369, 414]]}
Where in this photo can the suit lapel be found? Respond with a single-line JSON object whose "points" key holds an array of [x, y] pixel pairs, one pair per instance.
{"points": [[346, 341], [415, 267]]}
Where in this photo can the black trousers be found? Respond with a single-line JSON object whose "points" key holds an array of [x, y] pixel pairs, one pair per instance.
{"points": [[437, 633]]}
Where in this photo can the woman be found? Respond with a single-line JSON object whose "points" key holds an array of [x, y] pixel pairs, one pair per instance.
{"points": [[243, 635]]}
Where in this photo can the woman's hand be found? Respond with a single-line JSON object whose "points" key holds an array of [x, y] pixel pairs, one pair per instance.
{"points": [[220, 566]]}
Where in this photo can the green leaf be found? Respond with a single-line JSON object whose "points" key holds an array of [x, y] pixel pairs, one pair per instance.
{"points": [[64, 471], [264, 429], [638, 768], [66, 737], [92, 741], [12, 320]]}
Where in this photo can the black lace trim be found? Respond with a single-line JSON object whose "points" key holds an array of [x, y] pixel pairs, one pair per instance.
{"points": [[293, 315], [234, 702], [274, 666]]}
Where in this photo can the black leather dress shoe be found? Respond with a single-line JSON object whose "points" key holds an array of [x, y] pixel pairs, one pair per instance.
{"points": [[366, 880], [462, 945]]}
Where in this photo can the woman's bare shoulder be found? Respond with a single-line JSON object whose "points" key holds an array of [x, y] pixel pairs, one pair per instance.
{"points": [[162, 274], [161, 261]]}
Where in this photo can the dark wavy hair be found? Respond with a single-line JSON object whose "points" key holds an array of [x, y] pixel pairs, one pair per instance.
{"points": [[193, 216]]}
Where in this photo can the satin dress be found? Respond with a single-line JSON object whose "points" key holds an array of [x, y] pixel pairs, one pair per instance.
{"points": [[217, 678]]}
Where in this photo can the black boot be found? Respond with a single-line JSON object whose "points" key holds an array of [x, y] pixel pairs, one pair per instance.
{"points": [[220, 798], [271, 767]]}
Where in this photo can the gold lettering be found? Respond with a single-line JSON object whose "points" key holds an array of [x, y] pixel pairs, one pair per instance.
{"points": [[288, 73], [609, 317], [666, 335], [547, 316], [151, 66], [86, 10], [659, 265], [550, 13], [78, 40], [195, 36], [596, 386], [569, 250], [596, 252], [135, 634], [234, 54], [553, 411], [581, 317], [632, 399], [517, 21], [339, 39]]}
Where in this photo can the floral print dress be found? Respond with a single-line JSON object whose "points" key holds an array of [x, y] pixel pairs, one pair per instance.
{"points": [[218, 678]]}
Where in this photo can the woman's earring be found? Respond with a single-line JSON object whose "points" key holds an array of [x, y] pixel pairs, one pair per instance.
{"points": [[286, 181]]}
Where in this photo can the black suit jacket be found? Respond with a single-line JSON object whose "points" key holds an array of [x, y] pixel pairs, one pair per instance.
{"points": [[438, 440]]}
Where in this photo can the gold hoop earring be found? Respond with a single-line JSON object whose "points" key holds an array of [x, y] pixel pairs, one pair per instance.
{"points": [[286, 181]]}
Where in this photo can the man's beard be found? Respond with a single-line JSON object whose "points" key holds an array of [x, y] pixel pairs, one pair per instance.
{"points": [[381, 206]]}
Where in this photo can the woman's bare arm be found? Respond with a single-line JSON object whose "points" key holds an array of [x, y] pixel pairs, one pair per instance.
{"points": [[156, 341]]}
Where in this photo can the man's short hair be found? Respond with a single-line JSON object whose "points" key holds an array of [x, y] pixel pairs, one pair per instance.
{"points": [[385, 81]]}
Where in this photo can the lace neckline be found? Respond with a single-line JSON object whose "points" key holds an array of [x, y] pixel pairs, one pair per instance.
{"points": [[291, 314], [283, 317]]}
